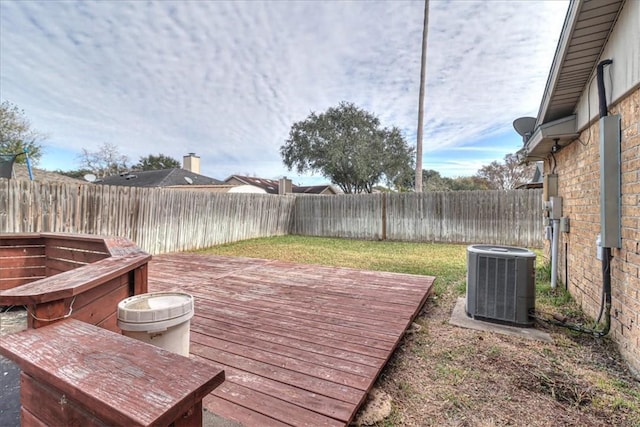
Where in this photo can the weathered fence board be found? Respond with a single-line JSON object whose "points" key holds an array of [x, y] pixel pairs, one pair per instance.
{"points": [[158, 220], [495, 217], [166, 220], [356, 216]]}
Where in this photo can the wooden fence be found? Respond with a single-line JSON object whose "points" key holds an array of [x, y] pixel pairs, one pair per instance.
{"points": [[494, 217], [158, 220], [168, 220]]}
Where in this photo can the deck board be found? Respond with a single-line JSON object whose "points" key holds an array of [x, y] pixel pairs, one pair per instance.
{"points": [[300, 344]]}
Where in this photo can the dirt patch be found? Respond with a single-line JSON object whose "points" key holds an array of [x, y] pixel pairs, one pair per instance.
{"points": [[444, 375], [376, 409]]}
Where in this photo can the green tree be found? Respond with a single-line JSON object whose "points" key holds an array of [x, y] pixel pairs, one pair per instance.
{"points": [[433, 181], [105, 161], [347, 145], [159, 162], [404, 180], [506, 175], [16, 133], [468, 183]]}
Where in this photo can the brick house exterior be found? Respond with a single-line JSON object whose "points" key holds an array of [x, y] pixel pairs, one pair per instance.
{"points": [[567, 137]]}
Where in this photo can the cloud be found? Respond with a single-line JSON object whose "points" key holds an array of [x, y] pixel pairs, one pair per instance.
{"points": [[227, 79]]}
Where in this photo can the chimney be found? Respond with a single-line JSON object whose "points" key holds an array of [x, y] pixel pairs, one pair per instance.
{"points": [[191, 162], [284, 186]]}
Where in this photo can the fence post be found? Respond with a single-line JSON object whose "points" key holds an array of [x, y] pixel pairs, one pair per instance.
{"points": [[384, 216]]}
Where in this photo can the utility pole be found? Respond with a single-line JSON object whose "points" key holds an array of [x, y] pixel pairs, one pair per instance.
{"points": [[423, 72]]}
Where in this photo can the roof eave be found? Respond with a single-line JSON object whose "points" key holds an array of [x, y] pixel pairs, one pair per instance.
{"points": [[561, 52], [549, 137]]}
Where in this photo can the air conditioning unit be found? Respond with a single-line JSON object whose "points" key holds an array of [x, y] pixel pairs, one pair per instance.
{"points": [[501, 284]]}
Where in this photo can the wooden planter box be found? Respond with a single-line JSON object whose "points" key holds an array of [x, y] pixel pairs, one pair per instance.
{"points": [[59, 276]]}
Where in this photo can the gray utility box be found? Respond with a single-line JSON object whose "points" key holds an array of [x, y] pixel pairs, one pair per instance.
{"points": [[501, 284]]}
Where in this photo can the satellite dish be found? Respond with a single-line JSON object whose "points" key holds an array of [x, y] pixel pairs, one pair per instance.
{"points": [[90, 177], [524, 126], [189, 180]]}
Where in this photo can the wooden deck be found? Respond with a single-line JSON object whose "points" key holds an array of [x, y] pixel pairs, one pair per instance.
{"points": [[300, 344]]}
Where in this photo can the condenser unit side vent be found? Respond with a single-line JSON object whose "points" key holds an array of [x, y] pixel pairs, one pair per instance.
{"points": [[500, 284]]}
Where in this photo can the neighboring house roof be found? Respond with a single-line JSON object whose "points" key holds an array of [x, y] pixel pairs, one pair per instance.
{"points": [[314, 189], [158, 178], [269, 185], [222, 188], [536, 180], [586, 30], [272, 186], [244, 189], [21, 172]]}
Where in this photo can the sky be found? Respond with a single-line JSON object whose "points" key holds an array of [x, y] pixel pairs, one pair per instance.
{"points": [[227, 79]]}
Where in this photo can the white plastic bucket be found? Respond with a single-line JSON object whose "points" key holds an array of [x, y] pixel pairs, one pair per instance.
{"points": [[162, 319]]}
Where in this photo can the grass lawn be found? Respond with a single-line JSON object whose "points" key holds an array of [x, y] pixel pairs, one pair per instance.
{"points": [[444, 375], [446, 262]]}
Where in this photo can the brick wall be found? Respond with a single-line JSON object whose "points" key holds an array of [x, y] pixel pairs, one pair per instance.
{"points": [[579, 186]]}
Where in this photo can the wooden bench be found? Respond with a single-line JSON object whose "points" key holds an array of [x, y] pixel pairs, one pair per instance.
{"points": [[79, 276], [75, 373]]}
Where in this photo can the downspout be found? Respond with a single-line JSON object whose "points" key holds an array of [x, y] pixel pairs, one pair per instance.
{"points": [[555, 213], [566, 266], [555, 241]]}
